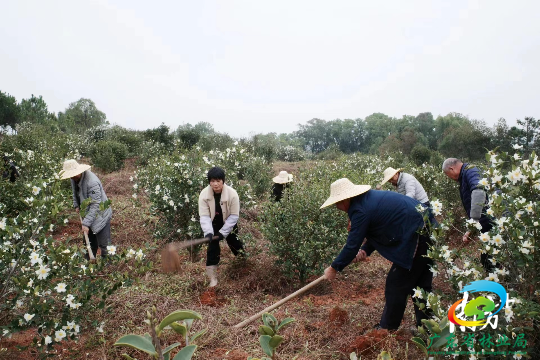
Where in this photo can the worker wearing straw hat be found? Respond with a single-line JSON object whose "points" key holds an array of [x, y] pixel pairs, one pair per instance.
{"points": [[280, 183], [96, 223], [390, 223], [405, 184]]}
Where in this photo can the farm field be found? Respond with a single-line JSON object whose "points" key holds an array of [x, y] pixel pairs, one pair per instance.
{"points": [[57, 304]]}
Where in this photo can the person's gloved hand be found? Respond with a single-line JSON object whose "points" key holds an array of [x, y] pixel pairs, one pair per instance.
{"points": [[220, 236], [209, 236]]}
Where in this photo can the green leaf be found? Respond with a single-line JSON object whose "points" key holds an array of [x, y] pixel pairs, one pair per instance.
{"points": [[384, 356], [186, 353], [137, 342], [196, 336], [420, 343], [264, 340], [126, 356], [276, 340], [180, 329], [178, 315], [442, 341], [170, 347], [269, 320], [285, 322], [266, 330]]}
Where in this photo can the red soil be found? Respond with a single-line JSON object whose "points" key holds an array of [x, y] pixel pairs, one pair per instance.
{"points": [[210, 298], [368, 343], [338, 316]]}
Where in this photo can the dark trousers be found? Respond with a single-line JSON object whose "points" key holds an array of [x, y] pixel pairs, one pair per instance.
{"points": [[400, 283], [213, 253], [100, 240], [485, 259]]}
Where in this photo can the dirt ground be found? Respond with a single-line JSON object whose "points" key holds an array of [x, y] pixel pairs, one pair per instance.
{"points": [[331, 320]]}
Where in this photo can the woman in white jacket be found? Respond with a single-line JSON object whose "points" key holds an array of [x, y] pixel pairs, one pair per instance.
{"points": [[219, 210]]}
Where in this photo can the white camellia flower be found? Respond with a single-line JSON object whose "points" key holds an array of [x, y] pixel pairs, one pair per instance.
{"points": [[517, 147], [111, 249], [61, 287], [135, 186], [35, 258], [134, 196], [139, 255], [59, 335], [498, 240], [493, 277], [484, 182], [496, 179], [42, 272], [130, 253], [28, 317], [3, 224], [35, 190], [48, 340], [66, 221], [484, 237], [436, 205], [515, 175], [100, 327]]}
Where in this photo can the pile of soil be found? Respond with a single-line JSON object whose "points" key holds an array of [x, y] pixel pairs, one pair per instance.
{"points": [[368, 343], [338, 316], [210, 298]]}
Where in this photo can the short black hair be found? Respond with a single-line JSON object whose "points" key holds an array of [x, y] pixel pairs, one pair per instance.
{"points": [[216, 173]]}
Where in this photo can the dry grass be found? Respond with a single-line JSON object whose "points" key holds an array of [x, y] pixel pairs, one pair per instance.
{"points": [[331, 320]]}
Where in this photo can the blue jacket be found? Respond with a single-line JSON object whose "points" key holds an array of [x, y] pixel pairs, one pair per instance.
{"points": [[389, 221], [469, 177]]}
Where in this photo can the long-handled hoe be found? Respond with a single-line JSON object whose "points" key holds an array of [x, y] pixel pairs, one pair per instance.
{"points": [[88, 247], [170, 259], [279, 303]]}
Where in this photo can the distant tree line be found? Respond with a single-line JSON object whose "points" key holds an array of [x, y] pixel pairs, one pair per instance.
{"points": [[420, 137], [451, 135], [78, 116]]}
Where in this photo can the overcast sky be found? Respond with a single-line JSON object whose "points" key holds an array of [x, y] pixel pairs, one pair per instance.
{"points": [[265, 66]]}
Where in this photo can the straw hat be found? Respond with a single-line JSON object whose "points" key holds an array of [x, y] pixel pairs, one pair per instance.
{"points": [[389, 173], [344, 189], [72, 168], [283, 177]]}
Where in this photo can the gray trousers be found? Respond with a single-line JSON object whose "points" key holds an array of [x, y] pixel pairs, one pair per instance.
{"points": [[102, 239]]}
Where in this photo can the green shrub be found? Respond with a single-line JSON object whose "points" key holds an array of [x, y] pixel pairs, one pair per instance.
{"points": [[174, 181], [420, 154], [330, 153], [109, 155], [131, 138], [290, 153], [303, 238]]}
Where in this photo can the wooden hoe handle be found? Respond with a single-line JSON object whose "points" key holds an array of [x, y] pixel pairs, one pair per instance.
{"points": [[281, 302], [90, 253]]}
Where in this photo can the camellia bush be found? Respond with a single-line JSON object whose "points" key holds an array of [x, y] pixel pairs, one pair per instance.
{"points": [[173, 184], [304, 238], [47, 285], [513, 187]]}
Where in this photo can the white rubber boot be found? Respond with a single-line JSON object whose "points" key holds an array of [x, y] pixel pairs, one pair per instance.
{"points": [[211, 271]]}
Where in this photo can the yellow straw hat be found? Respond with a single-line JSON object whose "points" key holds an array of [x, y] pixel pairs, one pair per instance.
{"points": [[283, 178], [72, 168], [389, 173], [344, 189]]}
